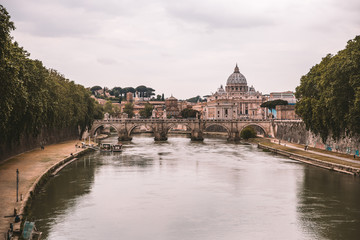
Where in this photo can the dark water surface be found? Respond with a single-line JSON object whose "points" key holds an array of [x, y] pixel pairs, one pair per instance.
{"points": [[184, 190]]}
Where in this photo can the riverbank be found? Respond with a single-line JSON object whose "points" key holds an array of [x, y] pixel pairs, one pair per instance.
{"points": [[325, 159], [34, 167]]}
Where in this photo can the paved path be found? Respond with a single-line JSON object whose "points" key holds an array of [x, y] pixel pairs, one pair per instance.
{"points": [[31, 165], [330, 155]]}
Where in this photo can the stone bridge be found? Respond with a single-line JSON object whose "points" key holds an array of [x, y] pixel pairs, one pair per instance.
{"points": [[197, 127]]}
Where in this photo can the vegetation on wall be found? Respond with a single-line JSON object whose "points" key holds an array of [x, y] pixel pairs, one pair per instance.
{"points": [[329, 94], [33, 97]]}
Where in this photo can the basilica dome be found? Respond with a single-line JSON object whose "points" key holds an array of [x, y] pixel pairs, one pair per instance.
{"points": [[236, 78]]}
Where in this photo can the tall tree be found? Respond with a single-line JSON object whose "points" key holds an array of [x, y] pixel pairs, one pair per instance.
{"points": [[329, 94], [32, 97], [129, 109], [147, 111]]}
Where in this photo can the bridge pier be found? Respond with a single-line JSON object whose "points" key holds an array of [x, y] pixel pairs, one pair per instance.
{"points": [[197, 135], [160, 132], [160, 136], [123, 135], [234, 136]]}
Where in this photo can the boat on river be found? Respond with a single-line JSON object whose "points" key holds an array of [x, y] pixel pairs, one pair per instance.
{"points": [[117, 147], [105, 147]]}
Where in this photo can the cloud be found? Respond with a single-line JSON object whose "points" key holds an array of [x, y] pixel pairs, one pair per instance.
{"points": [[185, 47], [107, 61], [216, 14]]}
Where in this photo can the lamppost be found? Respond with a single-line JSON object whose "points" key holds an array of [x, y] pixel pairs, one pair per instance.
{"points": [[17, 185]]}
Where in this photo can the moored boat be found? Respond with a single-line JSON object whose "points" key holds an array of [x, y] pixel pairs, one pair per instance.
{"points": [[117, 147], [105, 147]]}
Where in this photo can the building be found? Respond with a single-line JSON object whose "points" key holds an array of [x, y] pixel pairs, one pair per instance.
{"points": [[171, 105], [288, 96], [236, 101], [286, 112]]}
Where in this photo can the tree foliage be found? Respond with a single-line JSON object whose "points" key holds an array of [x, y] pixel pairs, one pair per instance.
{"points": [[272, 104], [247, 133], [33, 97], [329, 94], [189, 113], [147, 111], [195, 99], [129, 109]]}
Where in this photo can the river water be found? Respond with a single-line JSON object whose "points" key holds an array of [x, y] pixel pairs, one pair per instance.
{"points": [[183, 190]]}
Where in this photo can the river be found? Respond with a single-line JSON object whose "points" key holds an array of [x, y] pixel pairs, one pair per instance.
{"points": [[183, 190]]}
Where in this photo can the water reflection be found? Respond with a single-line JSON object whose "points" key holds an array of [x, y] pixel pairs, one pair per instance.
{"points": [[73, 183], [329, 204], [183, 190]]}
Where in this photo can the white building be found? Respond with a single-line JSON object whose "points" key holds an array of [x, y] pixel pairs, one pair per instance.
{"points": [[236, 101]]}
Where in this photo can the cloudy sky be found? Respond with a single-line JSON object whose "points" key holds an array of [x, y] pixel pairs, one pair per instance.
{"points": [[183, 47]]}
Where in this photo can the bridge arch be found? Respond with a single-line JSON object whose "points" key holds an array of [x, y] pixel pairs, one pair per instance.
{"points": [[97, 126], [133, 127], [217, 124], [174, 125], [254, 124]]}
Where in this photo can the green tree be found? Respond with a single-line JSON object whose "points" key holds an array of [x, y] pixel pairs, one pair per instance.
{"points": [[117, 111], [194, 99], [149, 92], [329, 94], [108, 107], [271, 105], [189, 113], [129, 109], [34, 98], [247, 133], [141, 90], [95, 88], [147, 111]]}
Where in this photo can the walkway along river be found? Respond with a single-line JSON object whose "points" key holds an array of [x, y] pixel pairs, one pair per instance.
{"points": [[188, 190]]}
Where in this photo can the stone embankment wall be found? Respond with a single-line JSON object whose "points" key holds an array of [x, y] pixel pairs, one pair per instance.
{"points": [[46, 137], [296, 132], [314, 162]]}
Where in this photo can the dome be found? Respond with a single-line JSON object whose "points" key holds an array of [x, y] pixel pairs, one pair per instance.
{"points": [[236, 78], [221, 90]]}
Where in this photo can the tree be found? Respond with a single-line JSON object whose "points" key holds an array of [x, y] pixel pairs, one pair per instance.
{"points": [[108, 107], [95, 88], [34, 98], [189, 113], [329, 94], [116, 111], [141, 90], [272, 104], [147, 111], [116, 91], [129, 109], [247, 133], [149, 92], [194, 99]]}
